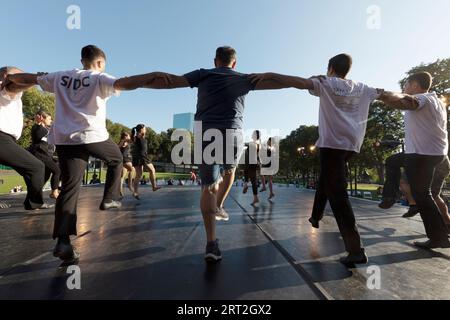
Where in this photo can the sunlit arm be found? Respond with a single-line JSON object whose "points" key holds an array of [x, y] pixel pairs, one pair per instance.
{"points": [[399, 100], [169, 81], [271, 81]]}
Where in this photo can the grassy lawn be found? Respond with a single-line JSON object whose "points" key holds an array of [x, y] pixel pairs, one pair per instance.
{"points": [[368, 187], [12, 179]]}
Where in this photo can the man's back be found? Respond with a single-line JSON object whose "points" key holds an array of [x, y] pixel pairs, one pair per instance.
{"points": [[221, 96], [81, 97], [344, 107]]}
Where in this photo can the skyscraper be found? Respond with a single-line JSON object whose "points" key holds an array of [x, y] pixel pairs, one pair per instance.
{"points": [[184, 121]]}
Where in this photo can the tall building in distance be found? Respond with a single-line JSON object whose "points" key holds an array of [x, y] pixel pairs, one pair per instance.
{"points": [[184, 121]]}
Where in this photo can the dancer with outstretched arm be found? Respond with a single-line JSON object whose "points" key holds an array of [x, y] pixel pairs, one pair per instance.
{"points": [[79, 131]]}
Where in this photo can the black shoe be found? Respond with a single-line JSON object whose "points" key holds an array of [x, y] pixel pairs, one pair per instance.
{"points": [[432, 244], [136, 196], [387, 203], [110, 205], [314, 222], [412, 211], [65, 252], [213, 253], [355, 258]]}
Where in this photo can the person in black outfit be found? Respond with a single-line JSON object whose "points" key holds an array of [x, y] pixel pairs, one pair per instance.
{"points": [[269, 150], [141, 160], [44, 152], [125, 148], [11, 154], [252, 165]]}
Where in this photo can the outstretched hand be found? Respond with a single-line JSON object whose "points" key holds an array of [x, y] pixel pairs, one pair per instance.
{"points": [[160, 78]]}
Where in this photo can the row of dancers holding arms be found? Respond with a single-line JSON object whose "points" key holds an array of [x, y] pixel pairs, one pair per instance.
{"points": [[79, 131]]}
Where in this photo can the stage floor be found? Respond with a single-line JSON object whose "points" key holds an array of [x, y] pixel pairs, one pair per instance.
{"points": [[153, 249]]}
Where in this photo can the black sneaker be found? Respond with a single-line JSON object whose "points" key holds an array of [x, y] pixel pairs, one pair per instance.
{"points": [[314, 222], [387, 203], [110, 205], [65, 252], [213, 253], [432, 244], [355, 258], [412, 211]]}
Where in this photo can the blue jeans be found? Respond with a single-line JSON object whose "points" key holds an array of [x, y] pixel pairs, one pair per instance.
{"points": [[211, 173]]}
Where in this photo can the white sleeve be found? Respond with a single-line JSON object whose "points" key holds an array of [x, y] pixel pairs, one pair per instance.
{"points": [[106, 85], [47, 82], [372, 93], [422, 100], [317, 88]]}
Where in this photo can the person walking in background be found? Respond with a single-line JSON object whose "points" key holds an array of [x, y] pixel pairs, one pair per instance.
{"points": [[44, 151], [141, 161], [269, 151], [125, 148], [252, 165]]}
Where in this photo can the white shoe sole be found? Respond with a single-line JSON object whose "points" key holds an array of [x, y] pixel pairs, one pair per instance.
{"points": [[212, 257]]}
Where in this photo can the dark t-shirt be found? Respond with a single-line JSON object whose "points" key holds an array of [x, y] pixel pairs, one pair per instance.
{"points": [[221, 97], [126, 151], [38, 133], [139, 150]]}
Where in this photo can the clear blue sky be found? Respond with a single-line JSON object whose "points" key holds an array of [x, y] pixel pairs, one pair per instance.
{"points": [[288, 36]]}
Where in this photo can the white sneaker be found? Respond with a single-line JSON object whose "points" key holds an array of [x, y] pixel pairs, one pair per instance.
{"points": [[222, 215]]}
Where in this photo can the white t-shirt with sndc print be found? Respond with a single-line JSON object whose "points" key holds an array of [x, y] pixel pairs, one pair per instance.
{"points": [[344, 109], [426, 127], [11, 114], [81, 97]]}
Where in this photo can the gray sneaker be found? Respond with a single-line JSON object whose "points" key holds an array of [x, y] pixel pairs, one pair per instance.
{"points": [[222, 215], [213, 253], [110, 205]]}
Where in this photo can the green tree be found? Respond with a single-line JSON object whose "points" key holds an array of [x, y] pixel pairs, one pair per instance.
{"points": [[383, 124], [440, 70], [296, 156], [115, 130]]}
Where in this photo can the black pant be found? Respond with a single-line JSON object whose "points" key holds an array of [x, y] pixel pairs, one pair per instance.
{"points": [[393, 174], [250, 175], [73, 160], [420, 172], [51, 169], [29, 167], [333, 186]]}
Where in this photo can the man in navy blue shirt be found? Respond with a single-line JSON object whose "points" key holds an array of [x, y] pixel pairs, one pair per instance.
{"points": [[220, 108]]}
